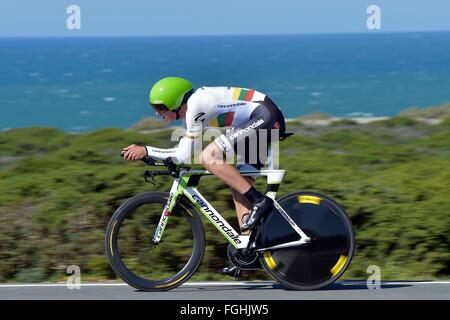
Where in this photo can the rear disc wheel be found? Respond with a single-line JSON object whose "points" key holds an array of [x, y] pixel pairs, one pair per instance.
{"points": [[321, 261]]}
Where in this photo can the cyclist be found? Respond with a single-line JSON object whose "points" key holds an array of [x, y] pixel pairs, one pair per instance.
{"points": [[247, 112]]}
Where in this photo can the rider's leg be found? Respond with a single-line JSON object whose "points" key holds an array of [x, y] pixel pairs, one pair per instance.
{"points": [[242, 205], [243, 209], [247, 137], [212, 159]]}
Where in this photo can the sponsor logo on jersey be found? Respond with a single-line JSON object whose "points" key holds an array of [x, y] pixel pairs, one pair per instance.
{"points": [[231, 105], [160, 151], [198, 118], [245, 130], [223, 144]]}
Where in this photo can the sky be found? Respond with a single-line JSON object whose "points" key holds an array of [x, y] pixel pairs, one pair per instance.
{"points": [[21, 18]]}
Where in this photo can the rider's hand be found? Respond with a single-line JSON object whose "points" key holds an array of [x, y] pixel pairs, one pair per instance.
{"points": [[134, 152]]}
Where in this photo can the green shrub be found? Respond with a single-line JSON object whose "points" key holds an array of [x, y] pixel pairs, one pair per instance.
{"points": [[58, 195], [148, 124], [397, 122]]}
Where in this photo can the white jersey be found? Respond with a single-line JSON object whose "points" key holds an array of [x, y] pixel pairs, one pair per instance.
{"points": [[210, 107]]}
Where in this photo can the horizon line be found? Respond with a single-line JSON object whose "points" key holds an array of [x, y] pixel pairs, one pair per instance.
{"points": [[367, 32]]}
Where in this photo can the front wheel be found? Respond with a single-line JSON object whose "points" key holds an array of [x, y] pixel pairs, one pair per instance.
{"points": [[318, 263], [154, 267]]}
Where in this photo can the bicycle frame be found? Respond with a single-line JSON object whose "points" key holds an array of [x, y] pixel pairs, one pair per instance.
{"points": [[187, 183]]}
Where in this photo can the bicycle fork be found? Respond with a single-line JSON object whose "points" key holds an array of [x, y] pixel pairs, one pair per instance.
{"points": [[173, 195]]}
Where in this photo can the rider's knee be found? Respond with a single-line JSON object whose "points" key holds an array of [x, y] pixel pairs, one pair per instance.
{"points": [[205, 158], [209, 156]]}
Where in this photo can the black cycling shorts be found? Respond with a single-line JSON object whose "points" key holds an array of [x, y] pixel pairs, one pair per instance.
{"points": [[251, 140]]}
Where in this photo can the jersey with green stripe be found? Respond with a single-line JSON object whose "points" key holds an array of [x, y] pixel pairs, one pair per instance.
{"points": [[220, 107]]}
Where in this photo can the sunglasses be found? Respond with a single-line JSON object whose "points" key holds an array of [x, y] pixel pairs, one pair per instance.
{"points": [[159, 108]]}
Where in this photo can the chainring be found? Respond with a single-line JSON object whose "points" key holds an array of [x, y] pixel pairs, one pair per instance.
{"points": [[245, 262]]}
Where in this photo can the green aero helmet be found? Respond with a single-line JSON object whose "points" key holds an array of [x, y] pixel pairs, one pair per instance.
{"points": [[170, 93]]}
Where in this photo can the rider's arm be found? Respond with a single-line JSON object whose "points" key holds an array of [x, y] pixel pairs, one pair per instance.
{"points": [[195, 117], [180, 154]]}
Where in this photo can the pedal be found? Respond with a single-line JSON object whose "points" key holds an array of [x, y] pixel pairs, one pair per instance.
{"points": [[238, 273], [232, 271]]}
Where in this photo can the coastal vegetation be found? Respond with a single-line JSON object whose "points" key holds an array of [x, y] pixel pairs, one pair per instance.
{"points": [[58, 191]]}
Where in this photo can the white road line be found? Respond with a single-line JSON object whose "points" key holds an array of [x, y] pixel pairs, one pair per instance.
{"points": [[349, 282], [224, 284], [61, 285]]}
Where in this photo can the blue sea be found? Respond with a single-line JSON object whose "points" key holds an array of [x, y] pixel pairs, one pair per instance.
{"points": [[80, 84]]}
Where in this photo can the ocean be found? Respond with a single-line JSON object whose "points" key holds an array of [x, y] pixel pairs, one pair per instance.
{"points": [[80, 84]]}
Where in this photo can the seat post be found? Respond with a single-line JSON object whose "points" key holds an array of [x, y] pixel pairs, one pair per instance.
{"points": [[270, 159], [272, 156]]}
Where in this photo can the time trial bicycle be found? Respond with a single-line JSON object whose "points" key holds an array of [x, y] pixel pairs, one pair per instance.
{"points": [[155, 241]]}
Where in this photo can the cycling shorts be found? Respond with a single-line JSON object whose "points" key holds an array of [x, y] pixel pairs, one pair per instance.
{"points": [[251, 140]]}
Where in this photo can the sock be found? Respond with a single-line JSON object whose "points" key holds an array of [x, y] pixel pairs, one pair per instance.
{"points": [[253, 195]]}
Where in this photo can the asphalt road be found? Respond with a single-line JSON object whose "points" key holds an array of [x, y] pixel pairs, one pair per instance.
{"points": [[233, 290]]}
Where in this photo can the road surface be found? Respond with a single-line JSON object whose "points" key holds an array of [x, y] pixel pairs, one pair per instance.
{"points": [[233, 290]]}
